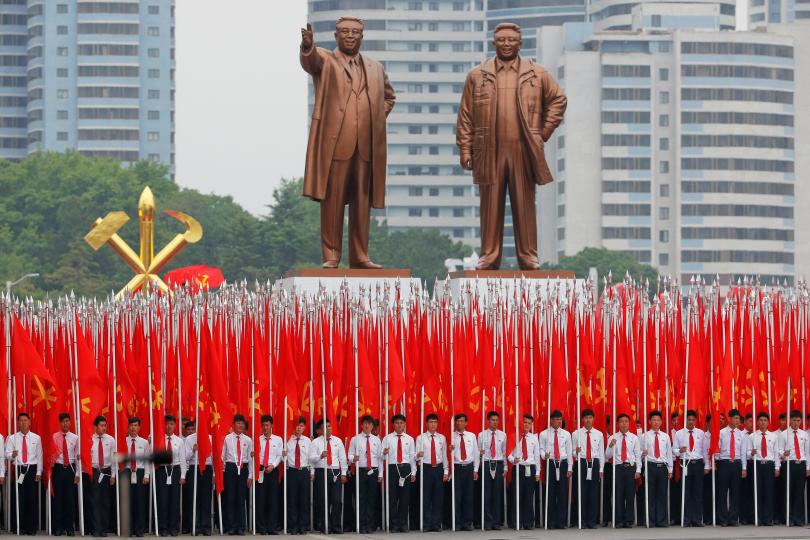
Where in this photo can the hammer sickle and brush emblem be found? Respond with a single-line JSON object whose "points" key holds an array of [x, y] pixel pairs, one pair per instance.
{"points": [[146, 264]]}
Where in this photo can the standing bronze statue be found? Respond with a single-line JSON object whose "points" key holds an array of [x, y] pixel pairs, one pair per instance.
{"points": [[346, 151], [509, 109]]}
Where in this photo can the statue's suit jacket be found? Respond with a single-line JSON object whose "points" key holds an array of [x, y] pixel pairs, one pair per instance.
{"points": [[333, 88]]}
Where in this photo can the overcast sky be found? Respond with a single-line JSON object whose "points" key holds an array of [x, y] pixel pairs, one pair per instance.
{"points": [[241, 96]]}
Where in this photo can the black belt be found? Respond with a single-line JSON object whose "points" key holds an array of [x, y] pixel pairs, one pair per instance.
{"points": [[64, 466], [625, 464], [105, 470], [470, 464], [656, 464]]}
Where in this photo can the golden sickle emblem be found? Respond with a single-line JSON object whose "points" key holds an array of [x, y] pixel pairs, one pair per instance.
{"points": [[146, 265]]}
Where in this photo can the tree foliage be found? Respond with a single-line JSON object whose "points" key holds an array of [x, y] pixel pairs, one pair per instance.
{"points": [[605, 261]]}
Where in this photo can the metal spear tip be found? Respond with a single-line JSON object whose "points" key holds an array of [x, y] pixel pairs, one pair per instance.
{"points": [[146, 205]]}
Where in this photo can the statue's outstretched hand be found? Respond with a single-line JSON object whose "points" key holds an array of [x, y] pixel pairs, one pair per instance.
{"points": [[306, 38]]}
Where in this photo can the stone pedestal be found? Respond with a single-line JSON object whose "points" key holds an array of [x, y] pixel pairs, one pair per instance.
{"points": [[481, 282], [308, 281]]}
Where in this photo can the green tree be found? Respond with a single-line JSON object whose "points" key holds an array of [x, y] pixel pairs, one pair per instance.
{"points": [[605, 261]]}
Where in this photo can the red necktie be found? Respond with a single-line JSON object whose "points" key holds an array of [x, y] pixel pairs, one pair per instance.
{"points": [[100, 454], [133, 465], [328, 453], [297, 454], [524, 448], [492, 445], [657, 445], [266, 459], [169, 448], [238, 452], [691, 441], [24, 451], [764, 447], [796, 445], [556, 447], [65, 460], [588, 446], [433, 450], [462, 447], [732, 450], [399, 448], [624, 448], [368, 452]]}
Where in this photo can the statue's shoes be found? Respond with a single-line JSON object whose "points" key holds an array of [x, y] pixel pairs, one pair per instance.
{"points": [[367, 265], [330, 264]]}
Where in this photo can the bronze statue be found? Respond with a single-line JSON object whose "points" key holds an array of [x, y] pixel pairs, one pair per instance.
{"points": [[346, 151], [509, 109]]}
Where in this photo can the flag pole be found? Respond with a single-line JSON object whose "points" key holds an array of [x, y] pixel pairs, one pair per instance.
{"points": [[754, 414], [148, 326], [323, 426], [110, 330], [355, 337], [253, 408], [71, 333], [579, 419], [452, 428], [197, 474], [548, 420], [606, 341], [285, 466], [684, 461], [517, 415]]}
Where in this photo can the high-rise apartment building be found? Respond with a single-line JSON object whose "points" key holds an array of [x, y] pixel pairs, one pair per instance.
{"points": [[97, 77], [531, 15], [762, 12]]}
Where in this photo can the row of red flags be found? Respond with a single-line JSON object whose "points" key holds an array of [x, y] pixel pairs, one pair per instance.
{"points": [[208, 357]]}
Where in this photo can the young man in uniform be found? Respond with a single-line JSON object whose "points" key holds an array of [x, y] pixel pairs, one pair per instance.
{"points": [[399, 449], [65, 477], [492, 444]]}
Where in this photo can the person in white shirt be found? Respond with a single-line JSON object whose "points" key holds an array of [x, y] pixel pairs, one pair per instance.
{"points": [[327, 457], [296, 455], [731, 464], [657, 449], [102, 487], [64, 477], [169, 477], [432, 453], [270, 447], [793, 446], [24, 449], [689, 447], [781, 489], [556, 450], [492, 442], [589, 448], [526, 475], [466, 460], [765, 452], [365, 453], [205, 476], [624, 448], [237, 449], [400, 454], [135, 475]]}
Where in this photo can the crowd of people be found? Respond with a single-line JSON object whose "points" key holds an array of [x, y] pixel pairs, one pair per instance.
{"points": [[552, 479]]}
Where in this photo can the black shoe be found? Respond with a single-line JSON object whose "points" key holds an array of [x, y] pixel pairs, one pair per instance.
{"points": [[496, 527], [70, 533]]}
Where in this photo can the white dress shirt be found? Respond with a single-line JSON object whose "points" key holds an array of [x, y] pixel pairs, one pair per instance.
{"points": [[423, 444], [787, 444], [532, 456], [698, 450], [108, 448], [337, 450], [358, 447], [302, 443], [633, 444], [486, 439], [771, 446], [142, 451], [178, 450], [470, 448], [546, 439], [664, 447], [274, 455], [191, 453], [230, 454], [580, 440], [741, 442], [33, 446], [408, 450], [72, 440]]}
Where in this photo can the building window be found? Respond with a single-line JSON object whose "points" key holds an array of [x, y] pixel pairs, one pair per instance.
{"points": [[154, 115], [433, 212], [663, 167], [61, 136], [433, 150], [153, 136], [663, 212], [61, 72], [458, 192], [663, 98], [61, 8], [663, 143], [61, 51], [414, 130], [663, 74], [663, 120], [62, 30], [154, 73], [61, 115], [663, 236], [663, 190], [458, 212], [154, 157], [154, 10], [62, 93], [433, 192], [414, 212], [414, 150], [154, 94], [154, 53], [458, 233], [414, 191], [656, 21], [153, 31], [663, 259]]}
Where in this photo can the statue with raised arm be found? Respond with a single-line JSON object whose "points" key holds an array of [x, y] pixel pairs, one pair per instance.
{"points": [[509, 109], [346, 150]]}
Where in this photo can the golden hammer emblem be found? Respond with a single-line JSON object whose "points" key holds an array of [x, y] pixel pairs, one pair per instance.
{"points": [[146, 265]]}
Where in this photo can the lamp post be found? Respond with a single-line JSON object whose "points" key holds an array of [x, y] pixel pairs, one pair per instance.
{"points": [[10, 284]]}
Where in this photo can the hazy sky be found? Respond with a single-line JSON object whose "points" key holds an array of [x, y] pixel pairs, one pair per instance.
{"points": [[241, 96]]}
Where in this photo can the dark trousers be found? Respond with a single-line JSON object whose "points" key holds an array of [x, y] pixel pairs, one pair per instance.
{"points": [[708, 499], [138, 500], [334, 504], [464, 495], [267, 503], [587, 492], [205, 492], [433, 496], [27, 493], [765, 493], [101, 497], [657, 484], [525, 499], [692, 484], [675, 486], [63, 507], [167, 488], [349, 182], [369, 495], [493, 492], [625, 495], [798, 470], [234, 498], [557, 494], [298, 499], [729, 483], [399, 496], [781, 496], [747, 496], [187, 501]]}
